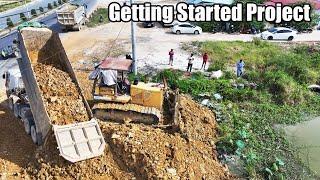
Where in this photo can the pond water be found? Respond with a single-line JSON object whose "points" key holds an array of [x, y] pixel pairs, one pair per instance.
{"points": [[306, 138]]}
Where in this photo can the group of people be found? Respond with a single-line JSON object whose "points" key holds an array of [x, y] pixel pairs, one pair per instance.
{"points": [[190, 59], [240, 64]]}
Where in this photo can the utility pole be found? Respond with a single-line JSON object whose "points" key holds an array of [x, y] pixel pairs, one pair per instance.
{"points": [[133, 44]]}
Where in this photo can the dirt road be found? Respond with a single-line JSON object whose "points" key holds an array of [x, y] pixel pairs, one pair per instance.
{"points": [[153, 44]]}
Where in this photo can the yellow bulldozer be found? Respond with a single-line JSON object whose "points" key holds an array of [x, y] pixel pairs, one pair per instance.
{"points": [[116, 99]]}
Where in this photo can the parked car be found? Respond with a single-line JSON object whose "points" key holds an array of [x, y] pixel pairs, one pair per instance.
{"points": [[279, 33], [174, 22], [148, 24], [186, 28]]}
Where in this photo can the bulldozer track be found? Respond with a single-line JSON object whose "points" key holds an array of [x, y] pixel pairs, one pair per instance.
{"points": [[129, 112]]}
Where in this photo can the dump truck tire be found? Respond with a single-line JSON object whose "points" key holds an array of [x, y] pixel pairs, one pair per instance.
{"points": [[27, 125], [10, 103], [34, 134], [16, 110]]}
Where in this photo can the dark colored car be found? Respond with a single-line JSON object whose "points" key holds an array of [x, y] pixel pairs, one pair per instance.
{"points": [[148, 24]]}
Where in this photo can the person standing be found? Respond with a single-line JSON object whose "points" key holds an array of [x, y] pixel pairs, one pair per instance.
{"points": [[240, 68], [171, 54], [204, 61], [190, 63]]}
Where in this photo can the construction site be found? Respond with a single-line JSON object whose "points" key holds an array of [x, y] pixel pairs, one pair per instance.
{"points": [[85, 98], [165, 142]]}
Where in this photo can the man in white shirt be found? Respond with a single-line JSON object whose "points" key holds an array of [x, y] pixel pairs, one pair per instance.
{"points": [[190, 62]]}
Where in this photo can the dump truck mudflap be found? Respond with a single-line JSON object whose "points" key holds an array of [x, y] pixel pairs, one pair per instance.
{"points": [[79, 141]]}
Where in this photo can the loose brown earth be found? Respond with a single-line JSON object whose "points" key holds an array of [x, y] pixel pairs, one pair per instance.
{"points": [[133, 151], [143, 152], [60, 95]]}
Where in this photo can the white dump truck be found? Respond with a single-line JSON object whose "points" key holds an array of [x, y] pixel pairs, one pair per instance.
{"points": [[72, 15], [77, 141]]}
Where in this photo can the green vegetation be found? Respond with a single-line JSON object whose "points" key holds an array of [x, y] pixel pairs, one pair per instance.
{"points": [[23, 17], [99, 17], [248, 115], [33, 12], [9, 23], [59, 1], [50, 6], [12, 5], [41, 9], [244, 26], [55, 3]]}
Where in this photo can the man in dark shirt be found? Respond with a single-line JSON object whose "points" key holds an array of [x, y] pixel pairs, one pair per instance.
{"points": [[171, 53]]}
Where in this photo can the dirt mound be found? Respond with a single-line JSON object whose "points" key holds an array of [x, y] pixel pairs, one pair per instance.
{"points": [[153, 153], [16, 147], [61, 97], [142, 152], [195, 121], [48, 164]]}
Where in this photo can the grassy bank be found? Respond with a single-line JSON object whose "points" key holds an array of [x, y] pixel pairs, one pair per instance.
{"points": [[275, 92], [99, 17]]}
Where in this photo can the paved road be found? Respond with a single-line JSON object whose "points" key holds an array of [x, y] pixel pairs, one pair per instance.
{"points": [[50, 20], [15, 13]]}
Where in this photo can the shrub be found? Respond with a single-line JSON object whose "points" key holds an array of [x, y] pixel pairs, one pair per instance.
{"points": [[303, 25], [55, 3], [33, 12], [59, 2], [50, 6], [23, 17], [206, 26], [9, 22], [41, 9], [283, 88], [218, 65]]}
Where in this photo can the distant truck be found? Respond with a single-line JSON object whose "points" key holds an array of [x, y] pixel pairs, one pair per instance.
{"points": [[72, 16], [77, 141]]}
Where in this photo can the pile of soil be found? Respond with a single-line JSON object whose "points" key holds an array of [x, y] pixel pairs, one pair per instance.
{"points": [[195, 121], [48, 164], [153, 153], [60, 95], [143, 152]]}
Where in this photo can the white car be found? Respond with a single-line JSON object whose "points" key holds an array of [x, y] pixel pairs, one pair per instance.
{"points": [[279, 33], [186, 28]]}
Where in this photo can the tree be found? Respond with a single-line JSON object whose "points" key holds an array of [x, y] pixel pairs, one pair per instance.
{"points": [[9, 22], [64, 1], [302, 25], [50, 6], [55, 3], [33, 12], [23, 17], [59, 2], [41, 9]]}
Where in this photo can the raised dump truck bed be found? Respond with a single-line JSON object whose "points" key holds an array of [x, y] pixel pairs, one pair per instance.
{"points": [[76, 141]]}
